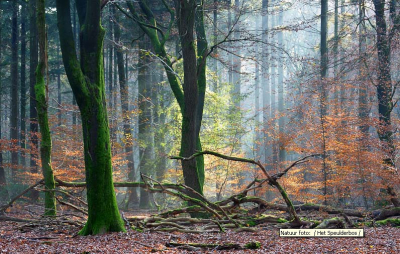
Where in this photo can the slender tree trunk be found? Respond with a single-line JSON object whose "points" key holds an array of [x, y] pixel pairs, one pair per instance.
{"points": [[323, 91], [159, 138], [274, 91], [237, 64], [256, 141], [33, 62], [144, 117], [215, 41], [3, 182], [14, 88], [88, 86], [23, 85], [362, 93], [281, 118], [265, 80], [41, 92], [342, 88], [384, 93]]}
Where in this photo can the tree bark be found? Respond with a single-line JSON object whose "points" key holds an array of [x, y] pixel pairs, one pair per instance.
{"points": [[41, 92], [186, 17], [323, 92], [3, 181], [266, 100], [33, 62], [23, 85], [384, 93], [281, 96], [87, 82], [14, 88]]}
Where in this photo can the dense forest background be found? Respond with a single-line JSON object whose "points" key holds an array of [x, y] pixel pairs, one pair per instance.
{"points": [[279, 80]]}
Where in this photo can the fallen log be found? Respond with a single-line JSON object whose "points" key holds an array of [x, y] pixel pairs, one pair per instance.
{"points": [[386, 213], [216, 246]]}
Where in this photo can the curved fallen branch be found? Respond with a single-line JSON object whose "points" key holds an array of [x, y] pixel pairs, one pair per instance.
{"points": [[272, 180]]}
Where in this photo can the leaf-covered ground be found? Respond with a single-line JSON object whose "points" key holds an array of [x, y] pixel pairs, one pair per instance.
{"points": [[23, 238]]}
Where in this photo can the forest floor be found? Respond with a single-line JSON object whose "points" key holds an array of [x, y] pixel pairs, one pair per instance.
{"points": [[17, 237], [63, 240]]}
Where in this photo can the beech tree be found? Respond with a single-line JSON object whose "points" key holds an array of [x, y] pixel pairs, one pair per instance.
{"points": [[384, 87], [87, 82], [41, 92]]}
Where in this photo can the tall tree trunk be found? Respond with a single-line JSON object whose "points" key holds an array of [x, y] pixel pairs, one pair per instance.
{"points": [[237, 64], [186, 17], [265, 80], [274, 91], [124, 91], [323, 91], [362, 92], [41, 92], [87, 83], [384, 93], [14, 88], [281, 118], [23, 85], [3, 183], [144, 117], [77, 45], [215, 41], [33, 62], [111, 77], [202, 51]]}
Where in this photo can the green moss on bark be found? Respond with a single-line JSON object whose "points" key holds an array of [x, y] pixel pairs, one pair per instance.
{"points": [[41, 102]]}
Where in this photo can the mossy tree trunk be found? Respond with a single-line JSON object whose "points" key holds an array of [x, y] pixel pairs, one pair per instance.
{"points": [[41, 91], [87, 82], [202, 51]]}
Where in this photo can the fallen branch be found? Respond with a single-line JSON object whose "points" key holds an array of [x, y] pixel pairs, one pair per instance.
{"points": [[272, 181], [72, 206], [8, 218], [224, 246], [3, 208]]}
